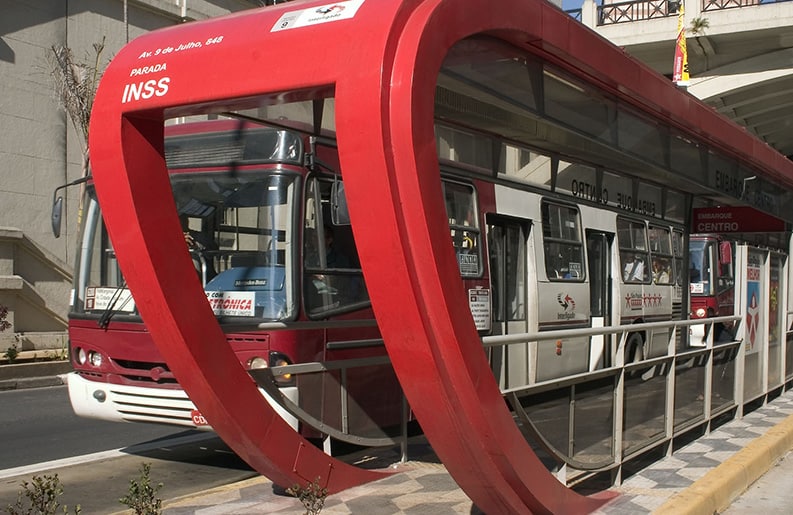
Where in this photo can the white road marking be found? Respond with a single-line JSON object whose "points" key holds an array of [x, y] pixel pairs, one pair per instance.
{"points": [[88, 458]]}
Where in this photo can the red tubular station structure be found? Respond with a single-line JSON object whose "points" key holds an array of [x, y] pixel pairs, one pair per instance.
{"points": [[380, 60]]}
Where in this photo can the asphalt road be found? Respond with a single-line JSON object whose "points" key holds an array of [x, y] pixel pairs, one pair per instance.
{"points": [[95, 460], [38, 424]]}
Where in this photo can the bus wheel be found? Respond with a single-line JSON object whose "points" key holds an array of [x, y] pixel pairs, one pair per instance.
{"points": [[634, 348]]}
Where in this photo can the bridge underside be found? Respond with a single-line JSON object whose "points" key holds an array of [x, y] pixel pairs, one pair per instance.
{"points": [[757, 93]]}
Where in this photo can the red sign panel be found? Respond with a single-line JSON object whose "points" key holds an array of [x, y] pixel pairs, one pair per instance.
{"points": [[734, 219]]}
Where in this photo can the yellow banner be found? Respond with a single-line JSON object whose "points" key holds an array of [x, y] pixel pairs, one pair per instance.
{"points": [[680, 71]]}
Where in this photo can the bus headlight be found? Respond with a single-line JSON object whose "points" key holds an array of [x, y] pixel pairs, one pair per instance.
{"points": [[278, 359], [257, 362], [80, 355], [95, 359]]}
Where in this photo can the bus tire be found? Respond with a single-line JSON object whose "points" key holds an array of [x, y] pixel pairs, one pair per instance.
{"points": [[634, 348]]}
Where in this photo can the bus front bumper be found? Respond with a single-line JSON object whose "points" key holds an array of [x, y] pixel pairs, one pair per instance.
{"points": [[121, 403]]}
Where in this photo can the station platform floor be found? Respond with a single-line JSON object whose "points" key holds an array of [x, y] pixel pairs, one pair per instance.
{"points": [[704, 476]]}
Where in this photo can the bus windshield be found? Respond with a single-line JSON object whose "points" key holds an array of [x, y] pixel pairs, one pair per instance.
{"points": [[240, 230], [699, 273]]}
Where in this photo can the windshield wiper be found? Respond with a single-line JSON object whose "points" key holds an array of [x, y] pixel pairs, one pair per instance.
{"points": [[111, 310]]}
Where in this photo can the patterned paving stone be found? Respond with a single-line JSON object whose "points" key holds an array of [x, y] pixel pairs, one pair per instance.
{"points": [[422, 486]]}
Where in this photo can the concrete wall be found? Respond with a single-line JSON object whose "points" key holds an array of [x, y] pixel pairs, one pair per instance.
{"points": [[39, 148]]}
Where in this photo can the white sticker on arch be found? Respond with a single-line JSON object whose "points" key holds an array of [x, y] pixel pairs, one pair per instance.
{"points": [[336, 11]]}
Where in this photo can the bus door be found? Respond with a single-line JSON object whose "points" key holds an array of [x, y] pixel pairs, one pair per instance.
{"points": [[507, 240], [598, 246]]}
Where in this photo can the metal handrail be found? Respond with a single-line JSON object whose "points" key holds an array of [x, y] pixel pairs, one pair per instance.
{"points": [[507, 339], [660, 368]]}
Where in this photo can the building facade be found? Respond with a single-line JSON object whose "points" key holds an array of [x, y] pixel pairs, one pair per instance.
{"points": [[41, 150]]}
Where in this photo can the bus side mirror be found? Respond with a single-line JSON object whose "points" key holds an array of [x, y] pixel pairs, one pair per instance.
{"points": [[338, 205], [57, 204], [57, 211]]}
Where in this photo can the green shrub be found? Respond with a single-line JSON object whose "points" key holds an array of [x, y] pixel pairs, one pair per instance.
{"points": [[39, 497], [312, 496], [4, 324], [142, 496], [11, 353]]}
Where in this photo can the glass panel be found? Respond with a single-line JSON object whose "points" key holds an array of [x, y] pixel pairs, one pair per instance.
{"points": [[677, 250], [525, 165], [464, 227], [774, 323], [761, 193], [564, 256], [661, 248], [690, 389], [577, 106], [645, 403], [660, 241], [642, 138], [632, 238], [699, 268], [516, 272], [506, 243], [496, 244], [502, 75], [299, 114], [725, 271], [617, 191], [723, 176], [100, 286], [756, 313], [550, 414], [723, 384], [372, 410], [465, 148], [675, 210], [333, 278], [686, 159], [649, 200], [233, 146], [238, 228], [789, 356], [594, 421], [578, 180]]}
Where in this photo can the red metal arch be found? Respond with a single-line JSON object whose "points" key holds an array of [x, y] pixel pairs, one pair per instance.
{"points": [[440, 361], [179, 71]]}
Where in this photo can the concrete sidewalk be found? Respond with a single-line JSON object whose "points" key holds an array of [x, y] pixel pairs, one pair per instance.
{"points": [[703, 477]]}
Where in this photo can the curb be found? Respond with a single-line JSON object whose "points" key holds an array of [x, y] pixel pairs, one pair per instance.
{"points": [[33, 375], [31, 382], [716, 490]]}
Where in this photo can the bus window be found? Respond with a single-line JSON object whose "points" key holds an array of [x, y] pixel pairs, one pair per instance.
{"points": [[333, 281], [632, 237], [677, 251], [463, 226], [661, 249], [507, 246], [238, 229], [698, 268], [726, 279], [561, 231]]}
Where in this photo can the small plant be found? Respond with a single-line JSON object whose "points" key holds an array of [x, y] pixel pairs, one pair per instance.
{"points": [[39, 497], [142, 496], [4, 324], [58, 355], [698, 26], [11, 353], [312, 496]]}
